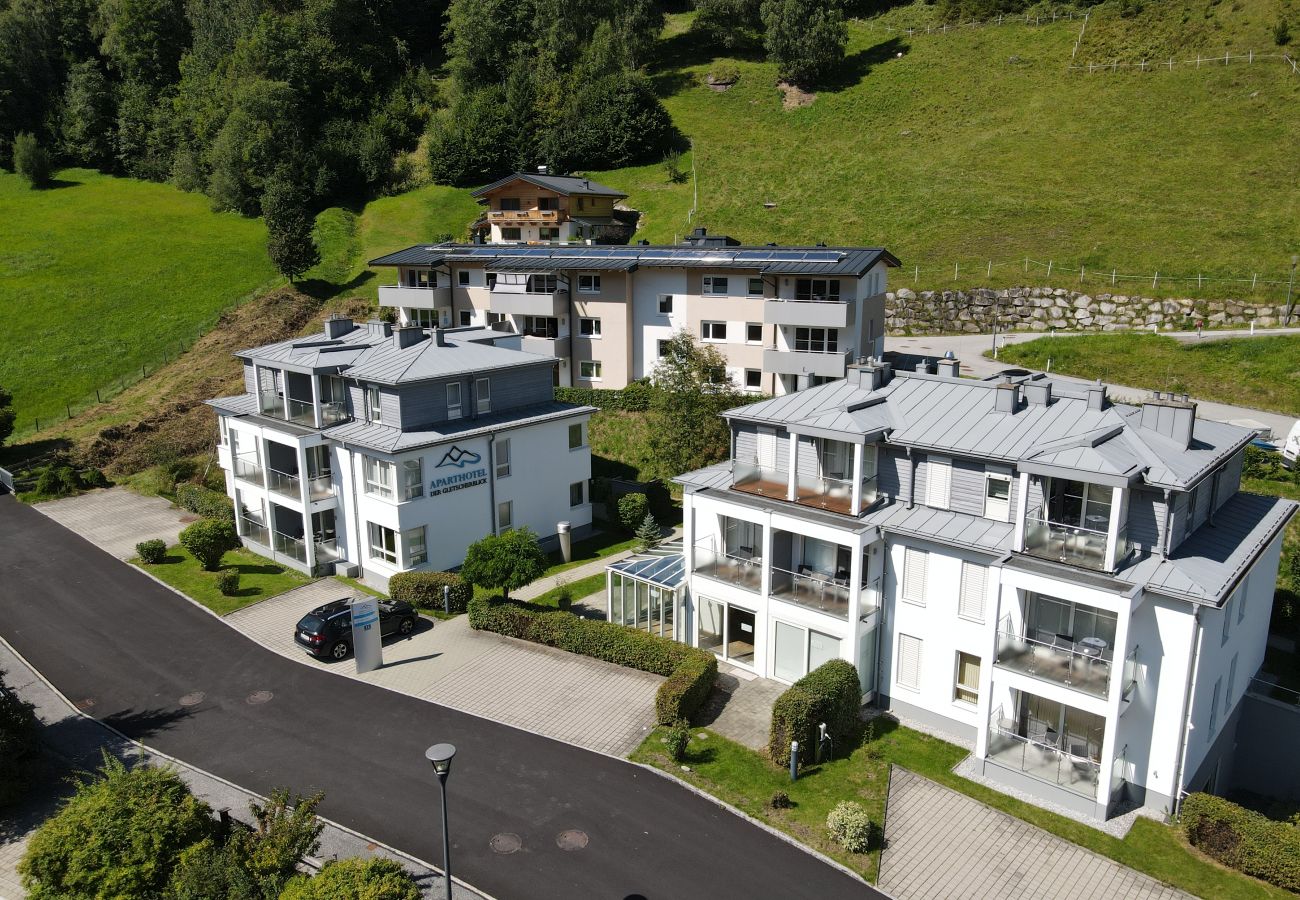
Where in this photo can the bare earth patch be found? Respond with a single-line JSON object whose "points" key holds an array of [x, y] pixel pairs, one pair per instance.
{"points": [[793, 96]]}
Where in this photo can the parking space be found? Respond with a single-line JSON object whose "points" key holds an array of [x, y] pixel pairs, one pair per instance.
{"points": [[571, 698], [116, 519]]}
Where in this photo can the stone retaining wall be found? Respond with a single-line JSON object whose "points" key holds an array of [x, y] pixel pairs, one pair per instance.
{"points": [[976, 310]]}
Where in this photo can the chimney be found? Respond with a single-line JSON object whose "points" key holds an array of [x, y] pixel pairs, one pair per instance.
{"points": [[870, 374], [949, 367], [379, 328], [1006, 397], [337, 326], [1173, 417], [1097, 396], [407, 336], [1038, 393], [925, 366], [439, 337], [543, 170]]}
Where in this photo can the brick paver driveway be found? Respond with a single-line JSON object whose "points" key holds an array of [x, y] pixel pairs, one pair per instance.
{"points": [[116, 519], [939, 843], [571, 698]]}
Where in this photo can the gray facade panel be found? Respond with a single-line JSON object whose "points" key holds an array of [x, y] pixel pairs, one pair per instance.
{"points": [[250, 379], [1230, 477], [891, 472], [1146, 514], [967, 492]]}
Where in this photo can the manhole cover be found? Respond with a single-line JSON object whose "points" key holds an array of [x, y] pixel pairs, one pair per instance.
{"points": [[571, 839], [505, 843], [193, 698], [257, 697], [86, 704]]}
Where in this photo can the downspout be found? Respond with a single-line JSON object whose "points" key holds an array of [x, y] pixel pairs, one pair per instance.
{"points": [[356, 511], [492, 483], [1169, 515], [911, 479], [1194, 651]]}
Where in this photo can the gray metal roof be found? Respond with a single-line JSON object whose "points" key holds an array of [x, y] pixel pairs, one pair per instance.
{"points": [[665, 566], [572, 185], [854, 261], [387, 439]]}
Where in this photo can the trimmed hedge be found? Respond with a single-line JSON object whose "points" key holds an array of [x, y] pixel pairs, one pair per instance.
{"points": [[207, 503], [228, 582], [633, 398], [151, 552], [424, 589], [829, 693], [1243, 839], [689, 672]]}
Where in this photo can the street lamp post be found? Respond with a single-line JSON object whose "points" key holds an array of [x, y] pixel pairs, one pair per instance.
{"points": [[440, 755], [1295, 258]]}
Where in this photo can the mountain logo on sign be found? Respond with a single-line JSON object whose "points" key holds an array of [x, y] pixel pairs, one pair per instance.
{"points": [[459, 458]]}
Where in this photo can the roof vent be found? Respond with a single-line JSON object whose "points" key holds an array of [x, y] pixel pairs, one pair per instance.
{"points": [[1006, 397], [925, 366], [543, 170], [949, 367], [439, 337], [407, 336], [1038, 393], [1174, 418], [378, 328], [336, 326], [1097, 396]]}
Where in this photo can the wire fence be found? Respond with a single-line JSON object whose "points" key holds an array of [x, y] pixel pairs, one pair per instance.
{"points": [[1030, 19], [1199, 62]]}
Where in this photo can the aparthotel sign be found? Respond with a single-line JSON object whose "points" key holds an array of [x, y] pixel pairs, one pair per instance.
{"points": [[456, 458]]}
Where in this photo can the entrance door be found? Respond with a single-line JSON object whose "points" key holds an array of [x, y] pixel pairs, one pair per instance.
{"points": [[740, 635]]}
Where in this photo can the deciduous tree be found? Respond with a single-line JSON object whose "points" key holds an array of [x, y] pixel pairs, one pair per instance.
{"points": [[507, 561], [690, 389], [805, 38], [31, 160]]}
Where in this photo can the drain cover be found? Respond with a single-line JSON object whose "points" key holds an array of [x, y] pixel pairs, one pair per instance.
{"points": [[505, 843], [86, 704], [571, 839], [193, 698], [257, 697]]}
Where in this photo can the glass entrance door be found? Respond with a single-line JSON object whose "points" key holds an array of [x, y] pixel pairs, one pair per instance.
{"points": [[740, 635], [726, 630]]}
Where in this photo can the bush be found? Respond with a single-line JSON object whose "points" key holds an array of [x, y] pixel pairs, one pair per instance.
{"points": [[830, 693], [1262, 464], [1282, 33], [679, 738], [780, 800], [368, 879], [209, 870], [689, 671], [424, 589], [228, 582], [850, 825], [724, 72], [31, 160], [57, 480], [633, 398], [632, 510], [207, 503], [120, 835], [1243, 839], [151, 552], [19, 745], [208, 540]]}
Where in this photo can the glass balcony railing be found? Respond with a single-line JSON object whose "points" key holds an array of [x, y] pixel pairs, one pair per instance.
{"points": [[1039, 752], [813, 590], [292, 547], [1083, 664], [332, 413], [302, 412], [750, 477], [872, 591], [833, 494], [740, 567], [1076, 545], [326, 551], [320, 487], [284, 483], [253, 531], [271, 404], [247, 470]]}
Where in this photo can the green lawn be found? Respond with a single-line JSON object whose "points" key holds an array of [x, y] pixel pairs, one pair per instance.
{"points": [[1261, 372], [259, 578], [747, 780], [100, 275]]}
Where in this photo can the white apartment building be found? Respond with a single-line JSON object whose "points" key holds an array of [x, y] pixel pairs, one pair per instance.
{"points": [[785, 318], [1076, 587], [372, 450]]}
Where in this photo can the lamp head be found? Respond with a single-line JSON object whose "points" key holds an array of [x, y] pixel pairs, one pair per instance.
{"points": [[440, 756]]}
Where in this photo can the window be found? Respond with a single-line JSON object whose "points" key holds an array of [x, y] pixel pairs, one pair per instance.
{"points": [[589, 283], [997, 496], [915, 563], [509, 203], [715, 284], [575, 494], [909, 662], [663, 348], [462, 277], [548, 234], [425, 318], [542, 326], [491, 278], [589, 369], [589, 327], [713, 331], [223, 429], [483, 396], [665, 304], [581, 202], [412, 479], [1227, 621], [817, 340], [511, 234], [466, 318], [503, 458], [797, 652], [497, 319], [1232, 677], [383, 543], [417, 550], [541, 284], [378, 475], [967, 689], [1214, 712], [822, 648], [453, 400], [1242, 593], [505, 515], [753, 379], [938, 481], [974, 581], [373, 407], [816, 289], [753, 333], [548, 202], [575, 436], [755, 287]]}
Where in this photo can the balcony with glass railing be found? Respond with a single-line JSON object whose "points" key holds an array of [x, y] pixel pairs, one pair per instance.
{"points": [[739, 566], [332, 413], [765, 481], [831, 494], [253, 531], [872, 591], [286, 484], [292, 547], [320, 487], [247, 469], [1035, 748], [301, 412], [270, 404], [812, 589], [1082, 663], [1087, 545]]}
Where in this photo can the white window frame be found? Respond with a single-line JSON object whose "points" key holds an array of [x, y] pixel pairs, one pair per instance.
{"points": [[379, 476], [938, 481], [507, 521], [589, 327], [999, 510], [582, 494], [374, 404], [974, 591], [592, 280], [913, 586], [455, 409], [581, 443], [223, 431], [958, 687], [466, 318], [503, 458], [483, 395], [749, 326], [707, 331], [589, 369], [424, 318], [412, 488], [710, 285], [749, 287], [909, 675], [462, 278], [415, 545], [380, 537], [665, 304], [754, 387], [662, 348]]}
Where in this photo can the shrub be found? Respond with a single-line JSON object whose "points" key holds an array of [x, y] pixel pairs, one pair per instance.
{"points": [[1243, 839], [724, 72], [368, 879], [850, 825], [424, 589], [1260, 463], [207, 503], [209, 870], [633, 398], [830, 693], [57, 480], [689, 671], [120, 835], [632, 510], [1282, 33], [780, 800], [228, 582], [679, 738], [31, 160], [507, 561], [151, 552], [19, 745], [208, 540]]}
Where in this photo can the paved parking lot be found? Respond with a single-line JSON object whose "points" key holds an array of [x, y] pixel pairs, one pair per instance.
{"points": [[571, 698], [116, 519]]}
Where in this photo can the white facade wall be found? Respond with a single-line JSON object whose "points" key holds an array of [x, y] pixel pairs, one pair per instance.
{"points": [[649, 327]]}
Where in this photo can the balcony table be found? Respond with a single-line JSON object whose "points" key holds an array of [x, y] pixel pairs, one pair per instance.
{"points": [[1092, 647]]}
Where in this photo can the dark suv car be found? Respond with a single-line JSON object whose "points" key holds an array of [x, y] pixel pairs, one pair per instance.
{"points": [[326, 631]]}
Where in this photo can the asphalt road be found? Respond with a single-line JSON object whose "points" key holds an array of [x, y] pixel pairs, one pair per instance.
{"points": [[127, 650]]}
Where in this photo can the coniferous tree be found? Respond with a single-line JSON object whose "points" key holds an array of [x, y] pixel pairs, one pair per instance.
{"points": [[87, 123]]}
